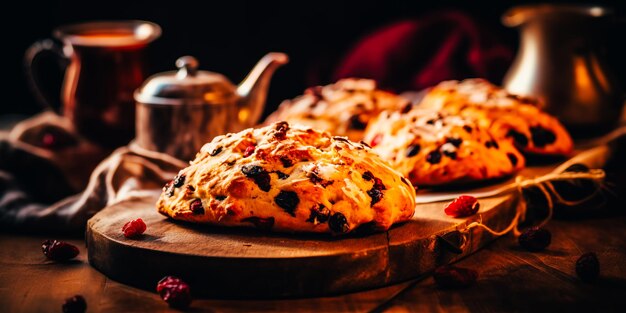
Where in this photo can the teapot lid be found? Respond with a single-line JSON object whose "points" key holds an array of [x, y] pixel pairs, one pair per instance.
{"points": [[187, 85]]}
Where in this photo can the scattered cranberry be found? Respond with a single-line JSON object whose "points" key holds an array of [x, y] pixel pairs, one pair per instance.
{"points": [[174, 291], [535, 239], [453, 277], [462, 206], [134, 228], [75, 304], [588, 267], [59, 250]]}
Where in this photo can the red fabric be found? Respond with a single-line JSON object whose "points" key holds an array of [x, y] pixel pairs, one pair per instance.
{"points": [[415, 54]]}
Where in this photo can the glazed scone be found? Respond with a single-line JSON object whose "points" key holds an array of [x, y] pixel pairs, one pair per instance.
{"points": [[288, 179], [516, 118], [343, 108], [433, 148]]}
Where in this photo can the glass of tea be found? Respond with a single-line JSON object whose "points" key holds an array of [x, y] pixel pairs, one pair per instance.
{"points": [[104, 65]]}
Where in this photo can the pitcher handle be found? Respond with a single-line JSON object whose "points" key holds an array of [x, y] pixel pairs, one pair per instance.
{"points": [[32, 76]]}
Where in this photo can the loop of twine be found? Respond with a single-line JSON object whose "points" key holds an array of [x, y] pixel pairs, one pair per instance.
{"points": [[545, 185]]}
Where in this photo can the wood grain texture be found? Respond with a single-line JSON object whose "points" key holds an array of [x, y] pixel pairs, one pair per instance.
{"points": [[243, 263], [514, 279], [510, 280], [30, 283]]}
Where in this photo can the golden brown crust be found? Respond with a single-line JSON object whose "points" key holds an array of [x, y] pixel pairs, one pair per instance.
{"points": [[432, 148], [288, 179], [343, 108], [515, 118]]}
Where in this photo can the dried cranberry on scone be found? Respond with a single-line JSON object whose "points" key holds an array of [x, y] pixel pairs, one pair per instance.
{"points": [[510, 117], [293, 179], [434, 148], [343, 108]]}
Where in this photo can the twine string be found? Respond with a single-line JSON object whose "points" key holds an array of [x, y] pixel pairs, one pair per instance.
{"points": [[545, 185]]}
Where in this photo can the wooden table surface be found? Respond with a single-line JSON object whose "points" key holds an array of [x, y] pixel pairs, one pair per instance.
{"points": [[510, 280]]}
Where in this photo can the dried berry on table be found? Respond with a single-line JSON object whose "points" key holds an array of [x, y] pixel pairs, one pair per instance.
{"points": [[535, 239], [174, 291], [134, 228], [453, 277], [59, 250], [588, 267], [75, 304], [462, 206]]}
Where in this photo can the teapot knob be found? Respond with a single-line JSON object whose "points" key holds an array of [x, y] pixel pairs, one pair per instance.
{"points": [[187, 66]]}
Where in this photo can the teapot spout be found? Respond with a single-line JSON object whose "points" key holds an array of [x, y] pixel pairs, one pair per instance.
{"points": [[252, 90]]}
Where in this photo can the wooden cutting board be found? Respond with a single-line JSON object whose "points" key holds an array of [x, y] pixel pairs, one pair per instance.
{"points": [[246, 263]]}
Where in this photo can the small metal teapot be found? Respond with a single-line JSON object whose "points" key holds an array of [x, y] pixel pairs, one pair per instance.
{"points": [[561, 61], [179, 111]]}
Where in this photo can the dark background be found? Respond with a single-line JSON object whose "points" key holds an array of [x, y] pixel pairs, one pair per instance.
{"points": [[230, 36]]}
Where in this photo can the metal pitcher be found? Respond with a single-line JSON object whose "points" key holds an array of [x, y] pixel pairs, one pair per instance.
{"points": [[560, 61]]}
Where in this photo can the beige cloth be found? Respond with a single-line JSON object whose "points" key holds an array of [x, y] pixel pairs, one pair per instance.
{"points": [[129, 171]]}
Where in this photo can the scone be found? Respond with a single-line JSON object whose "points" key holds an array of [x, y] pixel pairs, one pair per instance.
{"points": [[433, 148], [518, 119], [288, 179], [343, 109]]}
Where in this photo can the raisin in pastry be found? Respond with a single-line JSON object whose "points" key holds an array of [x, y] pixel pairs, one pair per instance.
{"points": [[343, 108], [433, 148], [518, 119], [289, 179]]}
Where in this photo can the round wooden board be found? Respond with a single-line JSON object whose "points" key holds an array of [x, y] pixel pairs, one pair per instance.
{"points": [[246, 263]]}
